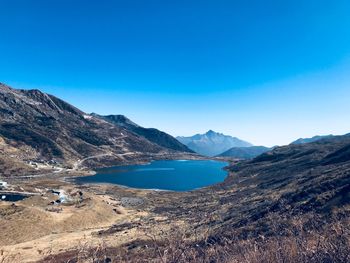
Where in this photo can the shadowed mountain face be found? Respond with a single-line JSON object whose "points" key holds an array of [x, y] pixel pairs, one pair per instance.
{"points": [[245, 152], [212, 143], [38, 126], [313, 139], [156, 136], [306, 176]]}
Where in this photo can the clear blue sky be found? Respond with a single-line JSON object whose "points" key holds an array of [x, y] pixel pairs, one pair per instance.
{"points": [[265, 71]]}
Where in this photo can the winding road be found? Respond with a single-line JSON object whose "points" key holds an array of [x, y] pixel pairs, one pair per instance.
{"points": [[80, 162]]}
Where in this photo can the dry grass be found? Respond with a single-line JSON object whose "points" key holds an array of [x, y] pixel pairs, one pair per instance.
{"points": [[299, 243]]}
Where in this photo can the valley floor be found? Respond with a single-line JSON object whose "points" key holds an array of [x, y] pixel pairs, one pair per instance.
{"points": [[108, 220], [38, 226]]}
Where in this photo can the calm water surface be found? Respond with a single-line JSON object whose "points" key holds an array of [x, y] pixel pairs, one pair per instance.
{"points": [[12, 197], [178, 175]]}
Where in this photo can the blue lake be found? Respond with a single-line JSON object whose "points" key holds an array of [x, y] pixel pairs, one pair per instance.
{"points": [[175, 175], [12, 197]]}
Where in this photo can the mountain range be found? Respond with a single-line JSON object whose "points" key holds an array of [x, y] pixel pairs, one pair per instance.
{"points": [[254, 151], [38, 127], [212, 143], [312, 139]]}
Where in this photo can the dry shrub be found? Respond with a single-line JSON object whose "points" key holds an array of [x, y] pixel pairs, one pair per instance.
{"points": [[329, 244], [6, 258], [308, 238]]}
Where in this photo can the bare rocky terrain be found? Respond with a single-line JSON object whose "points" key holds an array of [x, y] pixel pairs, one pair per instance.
{"points": [[161, 138], [291, 204]]}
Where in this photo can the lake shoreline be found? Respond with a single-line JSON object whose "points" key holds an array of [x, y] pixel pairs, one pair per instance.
{"points": [[161, 170]]}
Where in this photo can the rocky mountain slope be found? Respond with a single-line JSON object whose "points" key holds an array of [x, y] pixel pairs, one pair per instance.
{"points": [[298, 179], [244, 152], [153, 135], [212, 143], [38, 128], [312, 139]]}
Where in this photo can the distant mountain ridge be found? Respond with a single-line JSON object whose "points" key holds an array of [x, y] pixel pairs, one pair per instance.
{"points": [[154, 135], [245, 152], [212, 143], [312, 139]]}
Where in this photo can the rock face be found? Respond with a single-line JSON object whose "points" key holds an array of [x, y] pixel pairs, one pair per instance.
{"points": [[212, 143], [153, 135], [245, 152], [37, 126]]}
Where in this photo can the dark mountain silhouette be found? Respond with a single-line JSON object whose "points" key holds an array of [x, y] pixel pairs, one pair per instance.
{"points": [[212, 143], [313, 139], [311, 176], [153, 135], [245, 152]]}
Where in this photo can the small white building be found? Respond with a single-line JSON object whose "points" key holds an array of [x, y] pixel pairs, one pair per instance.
{"points": [[3, 184]]}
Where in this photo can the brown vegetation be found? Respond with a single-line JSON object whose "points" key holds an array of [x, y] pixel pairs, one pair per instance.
{"points": [[305, 241]]}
